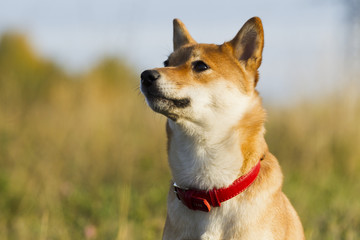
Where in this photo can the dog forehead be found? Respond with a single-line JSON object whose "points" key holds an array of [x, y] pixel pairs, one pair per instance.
{"points": [[192, 52]]}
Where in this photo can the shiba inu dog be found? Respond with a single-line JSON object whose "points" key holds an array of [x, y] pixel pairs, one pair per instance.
{"points": [[226, 183]]}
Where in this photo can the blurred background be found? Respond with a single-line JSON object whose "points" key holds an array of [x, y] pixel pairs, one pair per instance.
{"points": [[83, 157]]}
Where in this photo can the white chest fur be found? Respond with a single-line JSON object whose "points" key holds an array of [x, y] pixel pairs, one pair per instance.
{"points": [[204, 163], [226, 222]]}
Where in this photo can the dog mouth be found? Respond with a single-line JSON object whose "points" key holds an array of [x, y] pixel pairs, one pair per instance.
{"points": [[173, 102], [165, 105]]}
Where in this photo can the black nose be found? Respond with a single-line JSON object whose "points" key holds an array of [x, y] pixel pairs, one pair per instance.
{"points": [[149, 76]]}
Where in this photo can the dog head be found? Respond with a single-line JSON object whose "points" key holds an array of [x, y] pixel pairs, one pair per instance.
{"points": [[206, 83]]}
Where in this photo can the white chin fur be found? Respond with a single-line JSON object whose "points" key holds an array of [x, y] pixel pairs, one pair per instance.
{"points": [[204, 149]]}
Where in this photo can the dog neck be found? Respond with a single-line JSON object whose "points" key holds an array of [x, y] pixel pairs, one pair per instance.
{"points": [[210, 157]]}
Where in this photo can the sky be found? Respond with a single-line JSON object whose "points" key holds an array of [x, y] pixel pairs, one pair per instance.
{"points": [[303, 39]]}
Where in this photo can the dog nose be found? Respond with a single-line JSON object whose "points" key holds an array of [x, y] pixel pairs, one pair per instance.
{"points": [[149, 76]]}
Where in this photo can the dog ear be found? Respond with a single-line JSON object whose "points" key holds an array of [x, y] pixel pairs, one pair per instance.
{"points": [[248, 44], [181, 35]]}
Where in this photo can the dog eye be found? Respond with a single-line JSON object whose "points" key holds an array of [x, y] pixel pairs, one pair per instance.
{"points": [[199, 66], [166, 63]]}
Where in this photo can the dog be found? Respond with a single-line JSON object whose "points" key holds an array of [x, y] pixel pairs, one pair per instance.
{"points": [[225, 182]]}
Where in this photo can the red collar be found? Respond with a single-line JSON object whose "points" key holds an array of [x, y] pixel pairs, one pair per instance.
{"points": [[201, 200]]}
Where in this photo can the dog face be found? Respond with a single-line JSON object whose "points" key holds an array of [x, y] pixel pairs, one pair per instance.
{"points": [[205, 84]]}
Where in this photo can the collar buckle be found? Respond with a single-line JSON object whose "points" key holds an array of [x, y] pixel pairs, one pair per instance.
{"points": [[188, 198]]}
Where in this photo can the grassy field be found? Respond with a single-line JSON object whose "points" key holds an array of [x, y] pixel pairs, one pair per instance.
{"points": [[82, 156]]}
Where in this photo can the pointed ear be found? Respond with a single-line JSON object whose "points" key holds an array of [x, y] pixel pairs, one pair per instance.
{"points": [[248, 44], [181, 35]]}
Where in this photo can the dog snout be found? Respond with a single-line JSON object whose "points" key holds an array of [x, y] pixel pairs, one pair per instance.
{"points": [[149, 76]]}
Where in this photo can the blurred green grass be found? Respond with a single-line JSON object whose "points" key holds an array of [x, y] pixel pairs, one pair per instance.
{"points": [[83, 157]]}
